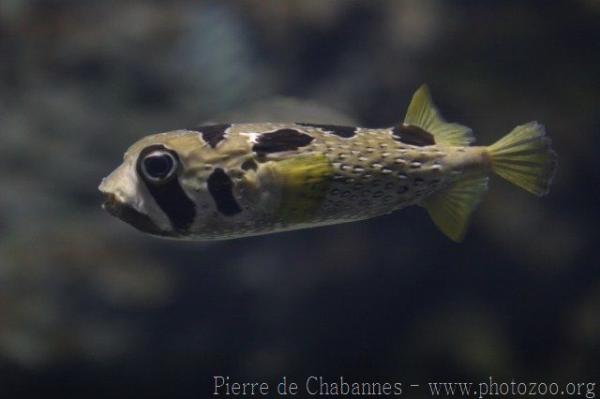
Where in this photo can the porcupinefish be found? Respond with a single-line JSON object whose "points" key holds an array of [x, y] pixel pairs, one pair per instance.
{"points": [[233, 180]]}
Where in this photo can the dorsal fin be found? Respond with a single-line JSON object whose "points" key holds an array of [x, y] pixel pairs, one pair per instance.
{"points": [[423, 113]]}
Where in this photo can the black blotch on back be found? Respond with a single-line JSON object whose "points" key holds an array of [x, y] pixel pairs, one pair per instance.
{"points": [[413, 135], [281, 140], [249, 164], [212, 134], [169, 196], [220, 188], [342, 131]]}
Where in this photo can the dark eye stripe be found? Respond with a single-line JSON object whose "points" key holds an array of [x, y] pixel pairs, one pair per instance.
{"points": [[212, 134], [138, 220], [170, 196], [342, 131], [220, 188], [281, 140], [412, 135]]}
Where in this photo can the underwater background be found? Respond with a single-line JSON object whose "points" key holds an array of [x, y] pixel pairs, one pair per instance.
{"points": [[90, 306]]}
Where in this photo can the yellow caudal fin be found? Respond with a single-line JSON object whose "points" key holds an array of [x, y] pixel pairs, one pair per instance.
{"points": [[451, 209], [524, 157], [423, 113]]}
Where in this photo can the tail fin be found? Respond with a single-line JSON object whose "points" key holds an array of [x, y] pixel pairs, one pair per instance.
{"points": [[524, 157]]}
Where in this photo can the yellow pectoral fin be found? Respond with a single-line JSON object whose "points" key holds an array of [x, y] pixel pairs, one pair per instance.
{"points": [[304, 182]]}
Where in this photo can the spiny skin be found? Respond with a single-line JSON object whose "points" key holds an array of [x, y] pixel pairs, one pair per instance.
{"points": [[286, 176], [234, 180]]}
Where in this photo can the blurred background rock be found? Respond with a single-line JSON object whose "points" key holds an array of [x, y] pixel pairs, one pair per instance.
{"points": [[89, 305]]}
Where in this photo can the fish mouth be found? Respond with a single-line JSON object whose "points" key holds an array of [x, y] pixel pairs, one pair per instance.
{"points": [[131, 216]]}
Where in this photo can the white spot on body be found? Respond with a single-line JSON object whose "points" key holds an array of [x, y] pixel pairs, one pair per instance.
{"points": [[252, 137]]}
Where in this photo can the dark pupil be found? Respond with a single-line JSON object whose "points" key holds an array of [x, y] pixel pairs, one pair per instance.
{"points": [[158, 166]]}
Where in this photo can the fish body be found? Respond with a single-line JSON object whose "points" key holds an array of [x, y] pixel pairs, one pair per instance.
{"points": [[233, 180]]}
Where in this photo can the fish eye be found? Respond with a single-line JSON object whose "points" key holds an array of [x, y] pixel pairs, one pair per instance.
{"points": [[158, 166]]}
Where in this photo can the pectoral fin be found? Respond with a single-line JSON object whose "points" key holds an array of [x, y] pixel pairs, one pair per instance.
{"points": [[293, 188]]}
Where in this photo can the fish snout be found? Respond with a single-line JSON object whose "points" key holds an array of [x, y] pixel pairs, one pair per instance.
{"points": [[111, 204], [132, 216]]}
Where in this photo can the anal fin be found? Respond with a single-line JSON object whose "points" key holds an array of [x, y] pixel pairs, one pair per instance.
{"points": [[451, 208]]}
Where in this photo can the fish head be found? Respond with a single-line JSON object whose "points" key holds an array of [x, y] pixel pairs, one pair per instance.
{"points": [[149, 190]]}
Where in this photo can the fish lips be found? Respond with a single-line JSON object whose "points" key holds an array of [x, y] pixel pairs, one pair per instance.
{"points": [[131, 216]]}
